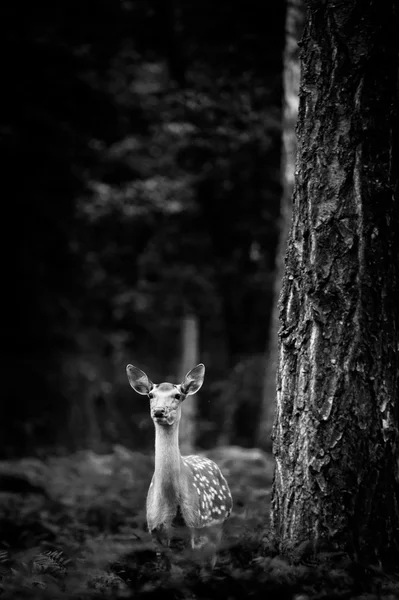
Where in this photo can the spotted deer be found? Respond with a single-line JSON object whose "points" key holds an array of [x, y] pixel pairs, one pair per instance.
{"points": [[188, 491]]}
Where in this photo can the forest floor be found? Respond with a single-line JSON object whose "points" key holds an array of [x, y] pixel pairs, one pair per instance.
{"points": [[74, 527]]}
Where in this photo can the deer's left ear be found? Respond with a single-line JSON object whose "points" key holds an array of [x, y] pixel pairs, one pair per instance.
{"points": [[193, 380]]}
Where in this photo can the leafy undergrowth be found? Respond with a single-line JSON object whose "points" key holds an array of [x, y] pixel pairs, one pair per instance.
{"points": [[74, 527]]}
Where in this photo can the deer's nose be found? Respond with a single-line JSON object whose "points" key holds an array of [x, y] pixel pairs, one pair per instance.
{"points": [[159, 412]]}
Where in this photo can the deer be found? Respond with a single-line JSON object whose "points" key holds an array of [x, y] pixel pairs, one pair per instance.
{"points": [[189, 492]]}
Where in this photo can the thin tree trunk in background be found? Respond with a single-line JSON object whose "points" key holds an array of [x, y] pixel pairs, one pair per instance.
{"points": [[189, 358], [172, 39], [294, 26], [335, 437]]}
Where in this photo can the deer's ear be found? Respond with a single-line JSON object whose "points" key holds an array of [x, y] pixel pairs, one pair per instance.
{"points": [[193, 380], [139, 380]]}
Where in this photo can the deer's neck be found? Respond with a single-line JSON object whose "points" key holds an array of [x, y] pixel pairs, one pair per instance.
{"points": [[168, 462]]}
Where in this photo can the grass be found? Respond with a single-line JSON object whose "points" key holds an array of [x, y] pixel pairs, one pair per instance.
{"points": [[76, 529]]}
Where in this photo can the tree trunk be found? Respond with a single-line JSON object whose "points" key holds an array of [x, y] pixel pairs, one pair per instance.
{"points": [[189, 358], [173, 47], [335, 436], [294, 26]]}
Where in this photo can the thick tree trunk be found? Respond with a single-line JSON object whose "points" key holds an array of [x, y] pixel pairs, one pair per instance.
{"points": [[189, 358], [294, 26], [336, 428]]}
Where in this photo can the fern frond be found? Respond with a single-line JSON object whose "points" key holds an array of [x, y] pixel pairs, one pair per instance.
{"points": [[52, 562]]}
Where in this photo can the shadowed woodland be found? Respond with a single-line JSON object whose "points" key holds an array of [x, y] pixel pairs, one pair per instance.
{"points": [[149, 200], [149, 136]]}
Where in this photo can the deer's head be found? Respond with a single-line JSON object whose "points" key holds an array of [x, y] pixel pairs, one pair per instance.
{"points": [[166, 398]]}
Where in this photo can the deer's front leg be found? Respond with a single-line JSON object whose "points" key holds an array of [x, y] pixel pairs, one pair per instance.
{"points": [[161, 540]]}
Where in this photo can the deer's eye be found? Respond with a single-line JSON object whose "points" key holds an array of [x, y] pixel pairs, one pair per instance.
{"points": [[177, 396], [150, 396]]}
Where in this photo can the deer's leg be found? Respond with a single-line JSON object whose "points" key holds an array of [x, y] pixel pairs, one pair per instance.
{"points": [[205, 543], [161, 540]]}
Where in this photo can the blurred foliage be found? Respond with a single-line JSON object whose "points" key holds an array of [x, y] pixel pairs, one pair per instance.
{"points": [[239, 396], [86, 537], [141, 144]]}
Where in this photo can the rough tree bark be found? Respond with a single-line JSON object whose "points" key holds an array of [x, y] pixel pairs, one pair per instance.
{"points": [[335, 435], [293, 31]]}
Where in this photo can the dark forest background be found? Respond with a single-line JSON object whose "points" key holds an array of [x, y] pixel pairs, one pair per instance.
{"points": [[141, 144]]}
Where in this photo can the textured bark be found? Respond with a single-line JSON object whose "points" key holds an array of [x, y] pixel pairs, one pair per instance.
{"points": [[294, 26], [335, 435], [189, 358]]}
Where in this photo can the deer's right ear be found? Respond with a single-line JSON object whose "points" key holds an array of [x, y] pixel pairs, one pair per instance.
{"points": [[139, 380]]}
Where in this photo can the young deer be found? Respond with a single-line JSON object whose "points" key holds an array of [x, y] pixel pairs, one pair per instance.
{"points": [[185, 490]]}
